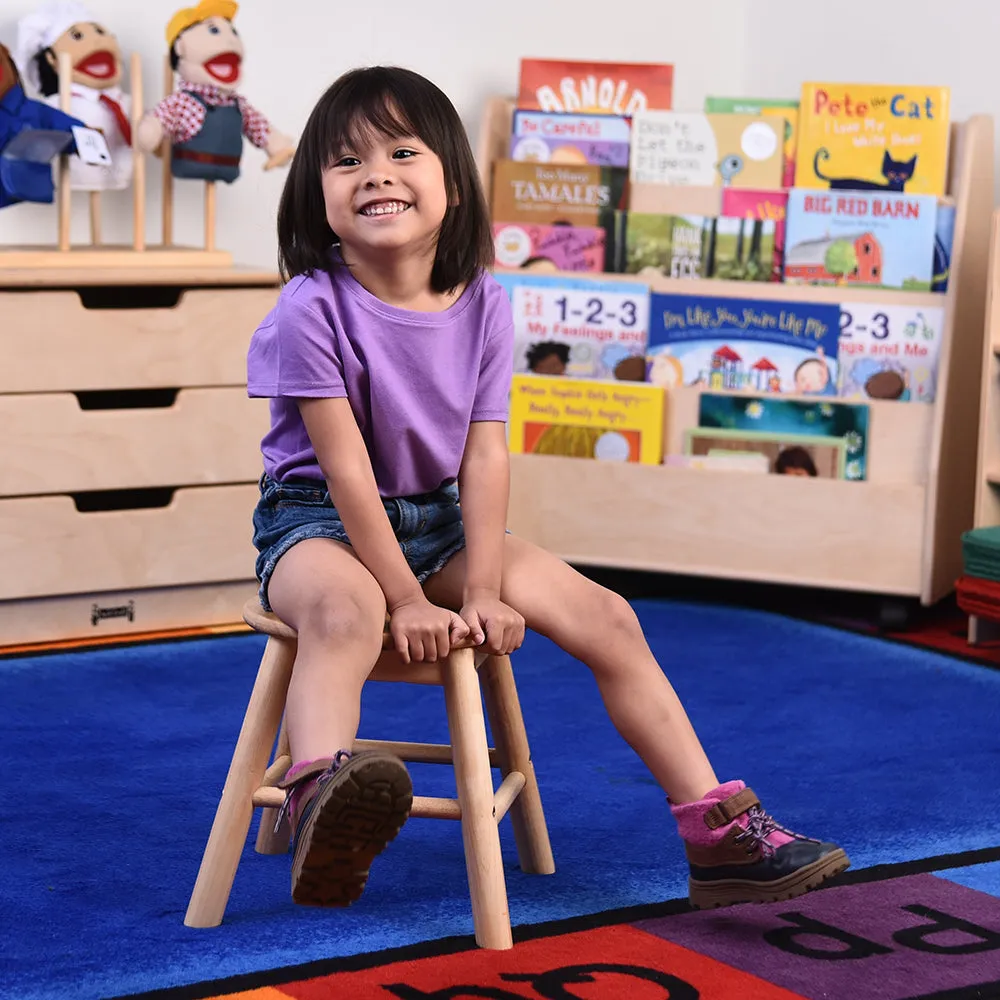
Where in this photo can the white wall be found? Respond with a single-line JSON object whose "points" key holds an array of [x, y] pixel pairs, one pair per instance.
{"points": [[295, 48]]}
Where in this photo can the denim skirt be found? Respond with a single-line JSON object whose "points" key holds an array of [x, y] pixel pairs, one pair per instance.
{"points": [[427, 526]]}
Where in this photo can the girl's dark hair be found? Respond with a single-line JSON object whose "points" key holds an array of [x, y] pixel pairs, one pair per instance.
{"points": [[396, 103]]}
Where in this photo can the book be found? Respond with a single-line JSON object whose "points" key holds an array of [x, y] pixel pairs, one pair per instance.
{"points": [[548, 248], [550, 137], [889, 352], [873, 137], [764, 205], [944, 237], [784, 423], [582, 418], [785, 108], [552, 193], [585, 87], [877, 238], [696, 246], [743, 344], [701, 150], [578, 327]]}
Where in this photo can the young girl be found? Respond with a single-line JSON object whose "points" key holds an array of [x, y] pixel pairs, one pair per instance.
{"points": [[388, 361]]}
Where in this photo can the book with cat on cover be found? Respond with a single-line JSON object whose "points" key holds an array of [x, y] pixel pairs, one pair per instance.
{"points": [[877, 239], [872, 137], [580, 418], [594, 88]]}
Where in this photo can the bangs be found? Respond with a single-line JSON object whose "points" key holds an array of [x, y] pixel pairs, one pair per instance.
{"points": [[366, 111]]}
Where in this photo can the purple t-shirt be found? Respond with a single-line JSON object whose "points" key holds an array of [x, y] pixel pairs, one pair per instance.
{"points": [[415, 380]]}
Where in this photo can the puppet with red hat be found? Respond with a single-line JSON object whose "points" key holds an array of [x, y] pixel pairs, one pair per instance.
{"points": [[205, 118], [68, 27]]}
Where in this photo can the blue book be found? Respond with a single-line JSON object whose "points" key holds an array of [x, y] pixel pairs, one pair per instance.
{"points": [[743, 344], [874, 239]]}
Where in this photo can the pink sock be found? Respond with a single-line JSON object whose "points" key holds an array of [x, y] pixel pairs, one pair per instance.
{"points": [[302, 790], [691, 825]]}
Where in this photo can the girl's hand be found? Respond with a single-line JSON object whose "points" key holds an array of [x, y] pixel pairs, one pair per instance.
{"points": [[491, 621], [423, 632]]}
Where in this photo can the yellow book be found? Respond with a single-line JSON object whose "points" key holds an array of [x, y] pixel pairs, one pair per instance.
{"points": [[873, 137], [586, 418]]}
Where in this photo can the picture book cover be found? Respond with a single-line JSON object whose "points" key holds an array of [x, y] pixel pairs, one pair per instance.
{"points": [[872, 137], [944, 237], [701, 150], [767, 206], [847, 422], [582, 418], [743, 344], [785, 108], [586, 87], [578, 327], [889, 352], [551, 137], [544, 193], [549, 248], [695, 246], [879, 239], [789, 454]]}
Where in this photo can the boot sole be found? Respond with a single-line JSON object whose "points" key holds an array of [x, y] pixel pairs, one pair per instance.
{"points": [[363, 809], [729, 892]]}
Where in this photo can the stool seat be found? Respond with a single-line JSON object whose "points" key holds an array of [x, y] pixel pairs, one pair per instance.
{"points": [[469, 677]]}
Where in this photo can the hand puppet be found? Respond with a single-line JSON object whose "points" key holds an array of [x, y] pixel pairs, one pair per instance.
{"points": [[205, 118], [31, 135], [96, 97]]}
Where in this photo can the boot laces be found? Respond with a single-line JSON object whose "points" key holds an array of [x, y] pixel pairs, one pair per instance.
{"points": [[759, 825]]}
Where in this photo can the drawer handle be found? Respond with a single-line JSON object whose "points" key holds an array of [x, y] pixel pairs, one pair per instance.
{"points": [[130, 296], [126, 399], [96, 500]]}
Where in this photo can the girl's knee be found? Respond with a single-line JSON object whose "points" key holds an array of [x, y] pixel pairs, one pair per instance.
{"points": [[613, 613], [340, 622]]}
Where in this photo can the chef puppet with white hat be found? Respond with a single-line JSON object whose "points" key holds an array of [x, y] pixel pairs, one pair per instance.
{"points": [[59, 26]]}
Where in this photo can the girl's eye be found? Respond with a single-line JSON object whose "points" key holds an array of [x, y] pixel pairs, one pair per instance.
{"points": [[401, 154], [347, 161]]}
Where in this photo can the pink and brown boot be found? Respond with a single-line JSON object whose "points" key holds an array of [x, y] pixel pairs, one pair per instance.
{"points": [[738, 854], [344, 810]]}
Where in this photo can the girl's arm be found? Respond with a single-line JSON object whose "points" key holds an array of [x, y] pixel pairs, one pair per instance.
{"points": [[484, 491], [340, 450]]}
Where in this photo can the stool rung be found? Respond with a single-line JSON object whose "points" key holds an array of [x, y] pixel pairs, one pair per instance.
{"points": [[426, 807], [503, 797], [418, 753], [268, 797]]}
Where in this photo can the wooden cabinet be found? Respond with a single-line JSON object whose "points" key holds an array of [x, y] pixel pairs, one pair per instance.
{"points": [[129, 452]]}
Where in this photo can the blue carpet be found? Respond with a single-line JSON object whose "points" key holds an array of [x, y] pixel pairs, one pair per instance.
{"points": [[113, 761]]}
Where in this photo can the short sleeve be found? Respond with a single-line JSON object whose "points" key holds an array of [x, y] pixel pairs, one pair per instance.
{"points": [[492, 400], [295, 352]]}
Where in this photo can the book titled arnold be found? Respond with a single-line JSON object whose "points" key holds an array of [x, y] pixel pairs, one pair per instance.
{"points": [[871, 238], [601, 88]]}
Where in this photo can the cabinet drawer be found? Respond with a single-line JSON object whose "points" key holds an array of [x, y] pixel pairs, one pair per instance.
{"points": [[50, 342], [52, 445], [48, 547]]}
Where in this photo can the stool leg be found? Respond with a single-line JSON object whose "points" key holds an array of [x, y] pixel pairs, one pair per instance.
{"points": [[507, 725], [269, 842], [246, 770], [474, 781]]}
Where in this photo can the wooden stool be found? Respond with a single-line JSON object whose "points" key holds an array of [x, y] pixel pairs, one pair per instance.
{"points": [[251, 783]]}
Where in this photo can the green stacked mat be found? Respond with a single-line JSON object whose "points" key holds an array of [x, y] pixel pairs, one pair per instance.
{"points": [[981, 553]]}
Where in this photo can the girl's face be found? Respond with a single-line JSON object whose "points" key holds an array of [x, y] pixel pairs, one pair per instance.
{"points": [[386, 194]]}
